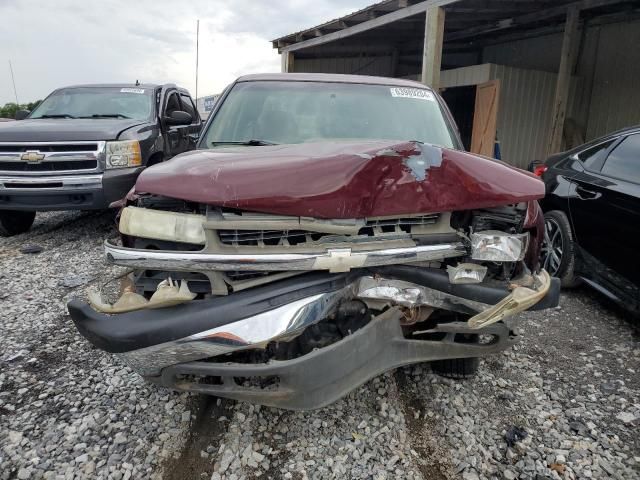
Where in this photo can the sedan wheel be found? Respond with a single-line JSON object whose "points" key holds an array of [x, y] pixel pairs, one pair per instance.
{"points": [[552, 247], [557, 253]]}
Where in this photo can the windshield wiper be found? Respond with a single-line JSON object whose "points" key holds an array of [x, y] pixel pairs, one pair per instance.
{"points": [[59, 115], [106, 115], [250, 143]]}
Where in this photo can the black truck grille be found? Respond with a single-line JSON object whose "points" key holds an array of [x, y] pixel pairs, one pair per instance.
{"points": [[49, 148], [57, 166]]}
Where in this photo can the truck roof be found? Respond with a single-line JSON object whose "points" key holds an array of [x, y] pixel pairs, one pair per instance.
{"points": [[125, 85], [332, 77]]}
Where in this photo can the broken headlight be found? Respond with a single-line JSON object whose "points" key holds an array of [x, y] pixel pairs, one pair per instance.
{"points": [[495, 246]]}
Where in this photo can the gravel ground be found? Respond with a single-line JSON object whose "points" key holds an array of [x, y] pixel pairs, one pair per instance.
{"points": [[565, 403]]}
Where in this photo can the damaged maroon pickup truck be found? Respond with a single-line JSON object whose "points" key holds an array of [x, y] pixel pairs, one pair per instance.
{"points": [[328, 229]]}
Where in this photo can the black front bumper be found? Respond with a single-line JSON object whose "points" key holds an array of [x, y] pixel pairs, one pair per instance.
{"points": [[144, 328]]}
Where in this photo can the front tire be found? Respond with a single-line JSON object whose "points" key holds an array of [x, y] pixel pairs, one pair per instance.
{"points": [[558, 249], [456, 368], [13, 222]]}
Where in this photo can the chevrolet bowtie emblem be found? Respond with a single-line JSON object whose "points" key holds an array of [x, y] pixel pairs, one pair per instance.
{"points": [[32, 156]]}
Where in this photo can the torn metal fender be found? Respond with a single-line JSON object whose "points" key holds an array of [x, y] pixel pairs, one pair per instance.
{"points": [[520, 299]]}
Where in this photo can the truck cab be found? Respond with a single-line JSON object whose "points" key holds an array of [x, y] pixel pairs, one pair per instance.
{"points": [[84, 146]]}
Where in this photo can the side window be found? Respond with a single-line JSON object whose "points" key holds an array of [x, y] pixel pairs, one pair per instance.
{"points": [[188, 107], [173, 104], [624, 161], [594, 156]]}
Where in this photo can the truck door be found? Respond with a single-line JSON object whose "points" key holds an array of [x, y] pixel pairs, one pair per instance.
{"points": [[605, 210], [196, 125], [177, 140]]}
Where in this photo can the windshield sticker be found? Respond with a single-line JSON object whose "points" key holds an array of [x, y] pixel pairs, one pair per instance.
{"points": [[132, 90], [418, 93]]}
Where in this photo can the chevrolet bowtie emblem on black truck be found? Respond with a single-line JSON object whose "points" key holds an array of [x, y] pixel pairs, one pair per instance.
{"points": [[32, 156]]}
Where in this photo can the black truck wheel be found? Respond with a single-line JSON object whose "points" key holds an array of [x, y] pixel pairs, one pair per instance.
{"points": [[13, 222]]}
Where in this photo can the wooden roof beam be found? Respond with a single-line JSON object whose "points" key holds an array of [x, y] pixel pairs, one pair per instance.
{"points": [[365, 25]]}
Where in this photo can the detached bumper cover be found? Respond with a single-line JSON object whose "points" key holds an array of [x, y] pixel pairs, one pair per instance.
{"points": [[169, 346]]}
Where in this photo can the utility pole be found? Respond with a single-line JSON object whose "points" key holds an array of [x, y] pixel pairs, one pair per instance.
{"points": [[15, 92], [197, 54]]}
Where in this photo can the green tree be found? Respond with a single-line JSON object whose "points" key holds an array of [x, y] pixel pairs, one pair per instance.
{"points": [[9, 109]]}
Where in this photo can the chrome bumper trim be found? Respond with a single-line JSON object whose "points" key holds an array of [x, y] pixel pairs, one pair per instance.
{"points": [[333, 260], [50, 182], [281, 323]]}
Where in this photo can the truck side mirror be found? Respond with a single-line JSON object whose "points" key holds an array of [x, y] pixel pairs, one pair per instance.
{"points": [[178, 117], [22, 114]]}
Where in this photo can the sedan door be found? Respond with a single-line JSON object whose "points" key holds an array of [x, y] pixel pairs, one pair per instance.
{"points": [[605, 211]]}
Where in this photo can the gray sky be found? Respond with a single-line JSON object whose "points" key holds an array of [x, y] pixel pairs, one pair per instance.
{"points": [[64, 42]]}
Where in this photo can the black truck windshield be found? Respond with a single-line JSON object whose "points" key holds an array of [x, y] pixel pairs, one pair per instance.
{"points": [[298, 112], [97, 102]]}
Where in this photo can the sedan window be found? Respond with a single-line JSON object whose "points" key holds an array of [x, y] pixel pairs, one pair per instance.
{"points": [[592, 157], [624, 161]]}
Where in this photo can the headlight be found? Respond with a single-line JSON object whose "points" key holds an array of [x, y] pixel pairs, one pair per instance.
{"points": [[125, 153], [162, 225], [495, 246]]}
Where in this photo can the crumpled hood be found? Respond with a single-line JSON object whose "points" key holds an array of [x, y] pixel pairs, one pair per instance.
{"points": [[341, 179], [64, 129]]}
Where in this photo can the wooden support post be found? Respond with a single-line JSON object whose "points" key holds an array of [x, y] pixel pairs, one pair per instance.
{"points": [[286, 61], [570, 41], [432, 52]]}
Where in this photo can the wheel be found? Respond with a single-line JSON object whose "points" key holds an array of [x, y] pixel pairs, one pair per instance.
{"points": [[558, 253], [13, 222], [458, 368]]}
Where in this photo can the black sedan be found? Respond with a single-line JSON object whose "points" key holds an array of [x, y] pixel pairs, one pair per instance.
{"points": [[592, 213]]}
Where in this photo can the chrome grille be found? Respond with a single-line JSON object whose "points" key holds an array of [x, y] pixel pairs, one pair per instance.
{"points": [[53, 157]]}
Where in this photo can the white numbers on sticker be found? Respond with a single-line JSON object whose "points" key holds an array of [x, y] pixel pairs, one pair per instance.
{"points": [[132, 90], [418, 93]]}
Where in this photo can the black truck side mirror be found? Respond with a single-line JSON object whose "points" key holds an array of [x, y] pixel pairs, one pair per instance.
{"points": [[178, 117], [22, 114]]}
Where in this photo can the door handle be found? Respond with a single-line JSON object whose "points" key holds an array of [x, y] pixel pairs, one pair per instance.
{"points": [[586, 194]]}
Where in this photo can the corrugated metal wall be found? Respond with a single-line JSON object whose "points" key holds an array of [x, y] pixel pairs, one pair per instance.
{"points": [[463, 76], [607, 97], [615, 95], [524, 112]]}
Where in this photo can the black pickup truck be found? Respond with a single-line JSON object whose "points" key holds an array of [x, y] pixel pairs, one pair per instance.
{"points": [[84, 146]]}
